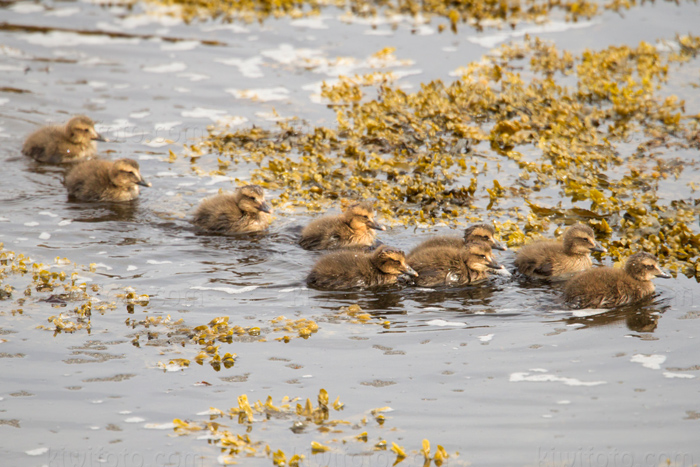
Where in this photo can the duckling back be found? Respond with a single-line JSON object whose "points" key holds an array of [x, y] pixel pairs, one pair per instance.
{"points": [[102, 180], [57, 144], [608, 287], [475, 233], [345, 269], [440, 241], [550, 259], [230, 213], [450, 266], [355, 227], [355, 268]]}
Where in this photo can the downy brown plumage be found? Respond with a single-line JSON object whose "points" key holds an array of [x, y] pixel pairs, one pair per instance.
{"points": [[56, 144], [348, 269], [608, 287], [244, 210], [102, 180]]}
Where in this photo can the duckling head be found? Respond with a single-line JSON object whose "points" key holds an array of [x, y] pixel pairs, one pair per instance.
{"points": [[579, 239], [251, 198], [485, 233], [391, 260], [81, 130], [125, 174], [478, 257], [360, 217], [644, 267]]}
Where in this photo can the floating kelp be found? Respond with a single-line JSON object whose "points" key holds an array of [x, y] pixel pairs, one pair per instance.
{"points": [[59, 288], [434, 155], [479, 14], [306, 416]]}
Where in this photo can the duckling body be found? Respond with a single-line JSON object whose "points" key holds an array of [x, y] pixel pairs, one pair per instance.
{"points": [[354, 227], [242, 211], [58, 144], [349, 269], [450, 266], [607, 287], [549, 259], [102, 180], [478, 232]]}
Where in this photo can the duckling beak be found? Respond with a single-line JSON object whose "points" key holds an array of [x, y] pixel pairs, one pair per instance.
{"points": [[662, 274], [499, 246], [143, 182], [502, 271], [599, 247], [264, 207], [410, 271], [375, 226], [98, 137], [493, 265]]}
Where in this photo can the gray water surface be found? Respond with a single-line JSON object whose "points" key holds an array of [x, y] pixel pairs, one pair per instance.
{"points": [[500, 373]]}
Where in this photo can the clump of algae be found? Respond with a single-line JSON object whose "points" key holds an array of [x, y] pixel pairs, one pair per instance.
{"points": [[307, 417], [479, 13], [57, 284], [430, 156]]}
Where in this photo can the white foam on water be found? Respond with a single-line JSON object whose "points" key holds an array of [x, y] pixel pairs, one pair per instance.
{"points": [[134, 420], [37, 451], [158, 142], [63, 12], [490, 41], [649, 361], [139, 115], [166, 126], [442, 322], [486, 337], [173, 67], [180, 45], [228, 290], [315, 22], [544, 377], [72, 39], [248, 67], [288, 54], [671, 375], [159, 426], [277, 93], [26, 8], [193, 76]]}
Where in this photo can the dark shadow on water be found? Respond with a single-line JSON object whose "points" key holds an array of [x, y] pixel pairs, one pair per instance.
{"points": [[95, 212], [385, 301], [642, 316]]}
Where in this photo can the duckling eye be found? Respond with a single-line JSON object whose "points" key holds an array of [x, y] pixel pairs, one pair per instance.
{"points": [[482, 256]]}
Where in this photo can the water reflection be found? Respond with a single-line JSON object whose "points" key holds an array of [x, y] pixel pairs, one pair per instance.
{"points": [[639, 317], [94, 212], [374, 301]]}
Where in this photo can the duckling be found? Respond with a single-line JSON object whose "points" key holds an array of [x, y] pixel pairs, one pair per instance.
{"points": [[244, 210], [607, 287], [547, 259], [354, 227], [57, 144], [477, 232], [102, 180], [348, 269], [447, 265]]}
